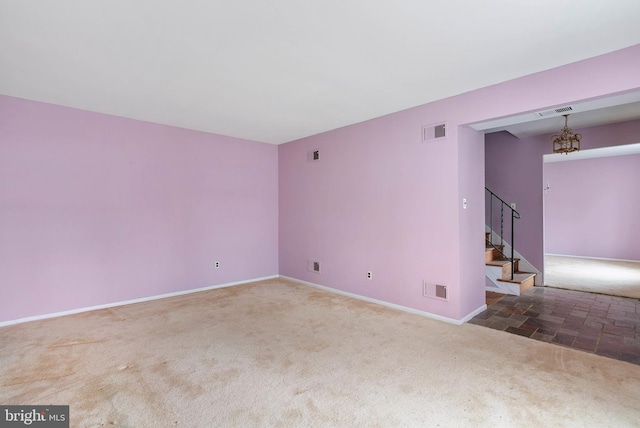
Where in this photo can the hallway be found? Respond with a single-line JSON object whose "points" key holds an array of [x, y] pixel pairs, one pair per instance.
{"points": [[596, 323]]}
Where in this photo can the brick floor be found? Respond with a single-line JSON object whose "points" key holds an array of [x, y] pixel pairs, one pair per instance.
{"points": [[596, 323]]}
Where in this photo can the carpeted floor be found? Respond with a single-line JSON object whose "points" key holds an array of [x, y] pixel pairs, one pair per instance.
{"points": [[278, 353], [613, 277]]}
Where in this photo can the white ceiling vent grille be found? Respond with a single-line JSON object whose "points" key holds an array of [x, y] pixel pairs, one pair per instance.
{"points": [[555, 112]]}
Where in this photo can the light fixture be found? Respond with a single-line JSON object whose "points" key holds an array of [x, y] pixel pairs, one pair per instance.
{"points": [[568, 141]]}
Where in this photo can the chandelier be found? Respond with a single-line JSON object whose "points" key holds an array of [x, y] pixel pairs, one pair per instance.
{"points": [[567, 141]]}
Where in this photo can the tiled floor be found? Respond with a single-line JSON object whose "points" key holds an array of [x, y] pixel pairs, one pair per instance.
{"points": [[605, 325]]}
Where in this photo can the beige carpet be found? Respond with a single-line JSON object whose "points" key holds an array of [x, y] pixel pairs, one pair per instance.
{"points": [[612, 277], [276, 353]]}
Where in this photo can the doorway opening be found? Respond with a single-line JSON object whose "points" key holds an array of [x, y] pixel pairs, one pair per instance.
{"points": [[591, 234]]}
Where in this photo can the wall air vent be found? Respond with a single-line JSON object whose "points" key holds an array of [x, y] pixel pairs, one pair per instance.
{"points": [[313, 155], [434, 291], [555, 112], [434, 132]]}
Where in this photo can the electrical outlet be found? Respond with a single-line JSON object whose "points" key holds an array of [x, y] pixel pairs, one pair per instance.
{"points": [[313, 155], [217, 264], [313, 266], [369, 275]]}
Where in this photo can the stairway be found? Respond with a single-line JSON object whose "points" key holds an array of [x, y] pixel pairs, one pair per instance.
{"points": [[498, 271]]}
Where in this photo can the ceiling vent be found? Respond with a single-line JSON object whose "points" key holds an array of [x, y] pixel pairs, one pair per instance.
{"points": [[555, 112]]}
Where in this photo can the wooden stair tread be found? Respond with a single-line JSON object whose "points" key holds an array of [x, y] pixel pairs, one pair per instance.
{"points": [[500, 262], [491, 247], [519, 277]]}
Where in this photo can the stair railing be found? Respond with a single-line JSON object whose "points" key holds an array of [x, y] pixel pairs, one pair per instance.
{"points": [[493, 198]]}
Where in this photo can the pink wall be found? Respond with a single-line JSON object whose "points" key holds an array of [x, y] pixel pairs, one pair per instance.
{"points": [[471, 173], [593, 208], [362, 206], [514, 170], [381, 200], [98, 209]]}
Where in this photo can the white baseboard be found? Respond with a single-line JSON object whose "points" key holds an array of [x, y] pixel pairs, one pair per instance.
{"points": [[391, 305], [478, 311], [230, 284], [129, 302], [592, 258]]}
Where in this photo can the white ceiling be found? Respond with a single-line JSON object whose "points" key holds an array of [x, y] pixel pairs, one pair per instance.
{"points": [[275, 71]]}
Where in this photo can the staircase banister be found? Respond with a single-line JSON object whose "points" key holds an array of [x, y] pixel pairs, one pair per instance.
{"points": [[516, 214]]}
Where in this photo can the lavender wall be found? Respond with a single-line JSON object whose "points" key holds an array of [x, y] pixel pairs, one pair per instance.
{"points": [[471, 173], [381, 200], [365, 206], [98, 209], [514, 170], [593, 207]]}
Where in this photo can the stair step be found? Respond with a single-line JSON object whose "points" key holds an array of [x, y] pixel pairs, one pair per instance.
{"points": [[491, 253], [524, 279], [501, 262], [495, 259], [518, 277], [489, 246], [505, 264]]}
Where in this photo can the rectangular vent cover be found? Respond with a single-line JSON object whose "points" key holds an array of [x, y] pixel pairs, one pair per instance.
{"points": [[313, 155], [434, 132], [434, 291], [555, 112]]}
